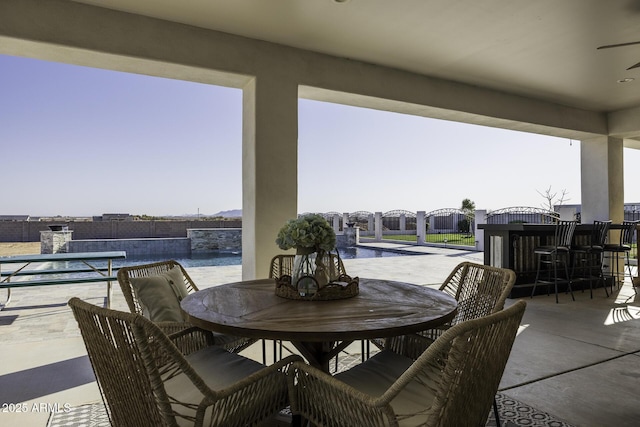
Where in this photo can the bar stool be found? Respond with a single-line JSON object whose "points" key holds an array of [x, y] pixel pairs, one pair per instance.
{"points": [[552, 255], [621, 250], [588, 259]]}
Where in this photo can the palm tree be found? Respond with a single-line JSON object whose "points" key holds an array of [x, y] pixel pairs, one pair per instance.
{"points": [[468, 208]]}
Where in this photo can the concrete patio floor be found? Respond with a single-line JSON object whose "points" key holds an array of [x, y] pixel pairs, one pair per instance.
{"points": [[577, 360]]}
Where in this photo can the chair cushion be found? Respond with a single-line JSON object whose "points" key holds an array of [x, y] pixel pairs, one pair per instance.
{"points": [[618, 248], [160, 295], [222, 340], [378, 373], [218, 369], [548, 250]]}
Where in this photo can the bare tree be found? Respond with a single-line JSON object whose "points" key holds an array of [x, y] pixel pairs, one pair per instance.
{"points": [[552, 198]]}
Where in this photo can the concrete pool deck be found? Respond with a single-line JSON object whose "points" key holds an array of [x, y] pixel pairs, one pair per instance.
{"points": [[579, 361]]}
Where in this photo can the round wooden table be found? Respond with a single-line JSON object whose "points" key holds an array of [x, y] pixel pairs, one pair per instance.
{"points": [[319, 329]]}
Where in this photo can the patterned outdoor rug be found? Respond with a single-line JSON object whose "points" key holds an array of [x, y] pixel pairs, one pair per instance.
{"points": [[512, 412], [515, 413]]}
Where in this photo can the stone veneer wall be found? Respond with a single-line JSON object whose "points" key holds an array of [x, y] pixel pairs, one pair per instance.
{"points": [[351, 237], [29, 231], [215, 239], [53, 242], [135, 248], [198, 240]]}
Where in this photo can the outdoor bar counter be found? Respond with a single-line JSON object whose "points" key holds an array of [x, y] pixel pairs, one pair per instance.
{"points": [[511, 246]]}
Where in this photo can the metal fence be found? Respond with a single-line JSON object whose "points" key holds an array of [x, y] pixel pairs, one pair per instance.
{"points": [[450, 227], [443, 227], [522, 215], [632, 212]]}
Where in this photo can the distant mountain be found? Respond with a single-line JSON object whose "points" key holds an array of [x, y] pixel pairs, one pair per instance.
{"points": [[233, 213]]}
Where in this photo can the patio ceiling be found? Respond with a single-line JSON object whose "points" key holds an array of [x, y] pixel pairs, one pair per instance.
{"points": [[543, 49], [524, 65]]}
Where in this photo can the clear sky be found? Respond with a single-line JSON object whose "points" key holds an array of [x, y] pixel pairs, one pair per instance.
{"points": [[80, 141]]}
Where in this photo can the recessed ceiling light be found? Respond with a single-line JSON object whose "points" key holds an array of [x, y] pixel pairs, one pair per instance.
{"points": [[340, 1], [626, 80]]}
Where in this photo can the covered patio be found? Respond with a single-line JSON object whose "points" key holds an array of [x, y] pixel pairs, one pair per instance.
{"points": [[500, 64], [577, 362], [527, 66]]}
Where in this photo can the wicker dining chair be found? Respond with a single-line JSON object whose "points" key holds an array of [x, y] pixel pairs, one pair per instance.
{"points": [[147, 378], [452, 383], [144, 277], [479, 290], [282, 265]]}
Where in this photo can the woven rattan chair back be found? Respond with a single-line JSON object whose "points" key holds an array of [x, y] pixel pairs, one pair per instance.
{"points": [[473, 367], [146, 377], [282, 265], [479, 289], [125, 274], [460, 371], [131, 396]]}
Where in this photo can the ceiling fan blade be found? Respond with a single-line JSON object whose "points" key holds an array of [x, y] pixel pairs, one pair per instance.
{"points": [[618, 45], [634, 66]]}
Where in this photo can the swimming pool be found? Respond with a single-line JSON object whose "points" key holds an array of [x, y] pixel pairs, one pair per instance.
{"points": [[235, 258], [211, 259]]}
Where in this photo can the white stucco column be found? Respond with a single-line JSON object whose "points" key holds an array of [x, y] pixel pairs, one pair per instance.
{"points": [[601, 162], [335, 222], [378, 225], [480, 218], [420, 227], [269, 169], [567, 213]]}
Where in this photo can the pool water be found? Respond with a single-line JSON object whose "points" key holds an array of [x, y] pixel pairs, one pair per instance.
{"points": [[209, 260], [199, 260], [356, 252], [235, 258]]}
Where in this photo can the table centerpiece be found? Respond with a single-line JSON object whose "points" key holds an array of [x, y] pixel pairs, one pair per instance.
{"points": [[314, 275]]}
